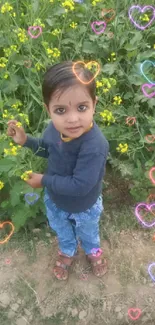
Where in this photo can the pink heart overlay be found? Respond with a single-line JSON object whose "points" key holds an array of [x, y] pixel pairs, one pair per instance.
{"points": [[148, 207], [34, 28], [133, 311], [142, 10], [98, 23], [148, 86]]}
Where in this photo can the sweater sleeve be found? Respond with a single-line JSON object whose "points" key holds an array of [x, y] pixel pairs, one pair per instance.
{"points": [[38, 146], [84, 178]]}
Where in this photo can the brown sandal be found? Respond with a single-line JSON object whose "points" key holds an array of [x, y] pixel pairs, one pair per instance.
{"points": [[99, 266], [62, 265]]}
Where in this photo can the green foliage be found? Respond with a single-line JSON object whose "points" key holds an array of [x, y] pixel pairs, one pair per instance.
{"points": [[21, 84]]}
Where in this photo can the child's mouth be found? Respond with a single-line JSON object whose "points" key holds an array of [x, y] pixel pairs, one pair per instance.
{"points": [[74, 129]]}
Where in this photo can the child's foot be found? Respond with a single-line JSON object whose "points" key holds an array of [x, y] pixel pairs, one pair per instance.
{"points": [[62, 265], [99, 266]]}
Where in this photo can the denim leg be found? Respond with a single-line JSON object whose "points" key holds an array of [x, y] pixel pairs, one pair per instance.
{"points": [[59, 222], [87, 227]]}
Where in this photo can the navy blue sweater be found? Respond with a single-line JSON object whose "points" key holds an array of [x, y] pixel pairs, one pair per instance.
{"points": [[75, 168]]}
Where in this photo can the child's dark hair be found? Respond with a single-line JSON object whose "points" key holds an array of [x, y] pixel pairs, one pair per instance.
{"points": [[61, 76]]}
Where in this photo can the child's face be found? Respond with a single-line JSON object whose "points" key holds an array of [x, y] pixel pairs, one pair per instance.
{"points": [[74, 108]]}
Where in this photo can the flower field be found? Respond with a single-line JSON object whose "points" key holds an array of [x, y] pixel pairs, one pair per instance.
{"points": [[126, 107]]}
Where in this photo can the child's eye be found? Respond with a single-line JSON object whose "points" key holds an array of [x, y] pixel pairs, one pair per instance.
{"points": [[61, 112]]}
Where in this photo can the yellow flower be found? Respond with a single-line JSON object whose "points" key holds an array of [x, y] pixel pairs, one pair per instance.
{"points": [[38, 66], [107, 116], [6, 75], [21, 33], [8, 51], [38, 22], [73, 25], [122, 147], [145, 18], [105, 90], [18, 124], [3, 62], [25, 176], [154, 46], [98, 84], [53, 52], [68, 5], [1, 185], [6, 8], [16, 105], [94, 2], [117, 100], [56, 32], [51, 1]]}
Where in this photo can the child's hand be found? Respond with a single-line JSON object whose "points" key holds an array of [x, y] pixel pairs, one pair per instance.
{"points": [[34, 180], [17, 133]]}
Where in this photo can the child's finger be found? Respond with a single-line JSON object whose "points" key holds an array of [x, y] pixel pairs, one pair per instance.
{"points": [[13, 122]]}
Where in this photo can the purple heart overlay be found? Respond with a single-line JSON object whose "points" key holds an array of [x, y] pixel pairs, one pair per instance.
{"points": [[34, 28], [98, 23], [142, 11], [31, 195], [144, 91], [149, 270], [148, 207]]}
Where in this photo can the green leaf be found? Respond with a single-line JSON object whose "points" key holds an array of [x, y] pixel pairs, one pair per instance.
{"points": [[89, 48], [110, 68], [35, 5], [6, 165]]}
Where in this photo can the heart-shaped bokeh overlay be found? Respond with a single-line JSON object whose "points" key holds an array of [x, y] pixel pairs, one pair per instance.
{"points": [[130, 120], [134, 313], [27, 64], [106, 12], [34, 28], [151, 176], [96, 252], [2, 225], [147, 207], [141, 10], [35, 196], [98, 23], [150, 138], [85, 65], [142, 70], [150, 272], [149, 86]]}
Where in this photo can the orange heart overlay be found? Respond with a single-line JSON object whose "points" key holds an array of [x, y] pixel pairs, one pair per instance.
{"points": [[106, 11], [85, 64], [152, 138], [13, 228]]}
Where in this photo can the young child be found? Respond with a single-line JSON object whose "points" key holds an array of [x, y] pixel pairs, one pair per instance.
{"points": [[76, 151]]}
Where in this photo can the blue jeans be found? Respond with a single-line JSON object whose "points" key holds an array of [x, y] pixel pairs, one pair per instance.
{"points": [[70, 228]]}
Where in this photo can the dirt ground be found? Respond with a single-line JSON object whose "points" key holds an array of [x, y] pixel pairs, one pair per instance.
{"points": [[30, 294]]}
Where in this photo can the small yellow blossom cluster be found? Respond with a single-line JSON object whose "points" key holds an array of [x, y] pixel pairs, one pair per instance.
{"points": [[7, 8], [7, 115], [73, 25], [17, 105], [154, 46], [107, 116], [122, 147], [8, 51], [3, 62], [38, 22], [13, 151], [39, 66], [117, 100], [55, 53], [145, 17], [113, 57], [106, 84], [94, 2], [21, 33], [25, 117], [51, 1], [68, 5], [1, 185], [56, 32], [18, 124], [25, 176]]}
